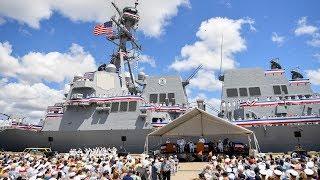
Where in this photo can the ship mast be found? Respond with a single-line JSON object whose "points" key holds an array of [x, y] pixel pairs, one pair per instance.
{"points": [[126, 24]]}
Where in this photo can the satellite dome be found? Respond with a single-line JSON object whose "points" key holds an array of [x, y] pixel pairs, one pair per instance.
{"points": [[111, 68], [141, 76]]}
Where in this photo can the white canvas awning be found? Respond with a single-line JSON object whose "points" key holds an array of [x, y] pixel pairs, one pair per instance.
{"points": [[200, 123]]}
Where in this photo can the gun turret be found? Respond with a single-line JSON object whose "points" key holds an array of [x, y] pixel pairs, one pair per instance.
{"points": [[274, 64]]}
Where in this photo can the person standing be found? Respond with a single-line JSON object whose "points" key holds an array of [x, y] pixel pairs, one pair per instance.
{"points": [[165, 169], [154, 175], [191, 147], [182, 144], [220, 146]]}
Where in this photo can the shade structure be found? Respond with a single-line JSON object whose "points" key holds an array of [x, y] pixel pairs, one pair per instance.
{"points": [[200, 123]]}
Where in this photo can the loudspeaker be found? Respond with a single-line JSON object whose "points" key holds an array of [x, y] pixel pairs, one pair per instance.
{"points": [[50, 139], [123, 138], [297, 134]]}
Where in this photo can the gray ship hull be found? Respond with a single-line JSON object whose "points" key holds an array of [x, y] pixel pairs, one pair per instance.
{"points": [[271, 139], [17, 140], [282, 139]]}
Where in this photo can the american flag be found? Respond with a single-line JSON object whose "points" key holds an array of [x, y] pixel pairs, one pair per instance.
{"points": [[105, 28]]}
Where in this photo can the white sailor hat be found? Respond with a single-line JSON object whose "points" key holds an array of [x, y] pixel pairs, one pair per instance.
{"points": [[309, 172], [293, 172], [277, 172], [214, 157], [229, 170], [41, 173], [72, 174], [310, 164], [251, 174], [231, 176], [240, 167], [54, 173], [262, 166], [263, 172]]}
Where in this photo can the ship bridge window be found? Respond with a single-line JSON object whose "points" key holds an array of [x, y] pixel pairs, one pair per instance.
{"points": [[243, 92], [171, 98], [276, 90], [155, 120], [115, 107], [232, 92], [153, 98], [284, 89], [254, 91], [309, 111], [162, 98], [132, 105], [123, 106]]}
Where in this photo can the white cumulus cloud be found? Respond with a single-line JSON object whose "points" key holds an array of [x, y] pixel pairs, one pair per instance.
{"points": [[155, 15], [53, 66], [27, 100], [206, 50], [317, 56], [23, 88], [314, 76], [315, 41], [147, 59], [205, 80], [303, 28], [279, 40]]}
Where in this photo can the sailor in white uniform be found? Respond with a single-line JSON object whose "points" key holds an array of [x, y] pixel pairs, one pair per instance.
{"points": [[220, 146], [202, 140], [191, 147], [182, 143]]}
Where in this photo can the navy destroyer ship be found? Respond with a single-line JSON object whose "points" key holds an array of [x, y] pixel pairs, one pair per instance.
{"points": [[113, 106], [108, 107], [283, 113]]}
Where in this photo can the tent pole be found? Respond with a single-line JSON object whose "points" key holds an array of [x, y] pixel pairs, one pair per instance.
{"points": [[201, 124], [249, 140], [256, 142], [146, 148]]}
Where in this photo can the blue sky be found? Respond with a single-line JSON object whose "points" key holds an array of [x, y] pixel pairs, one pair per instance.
{"points": [[248, 27]]}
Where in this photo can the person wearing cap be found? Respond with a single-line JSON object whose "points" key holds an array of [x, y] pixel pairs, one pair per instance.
{"points": [[220, 146], [191, 147], [293, 174], [182, 145], [309, 173], [263, 174], [165, 169], [277, 174], [202, 140]]}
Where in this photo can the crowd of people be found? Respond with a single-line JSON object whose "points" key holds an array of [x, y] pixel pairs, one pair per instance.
{"points": [[96, 163], [106, 163], [293, 167]]}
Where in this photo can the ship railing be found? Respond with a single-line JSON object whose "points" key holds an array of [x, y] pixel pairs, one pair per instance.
{"points": [[288, 117]]}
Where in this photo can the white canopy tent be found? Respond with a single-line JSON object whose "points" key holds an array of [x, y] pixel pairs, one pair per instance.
{"points": [[200, 123]]}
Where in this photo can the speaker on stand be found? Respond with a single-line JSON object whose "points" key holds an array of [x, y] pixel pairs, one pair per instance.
{"points": [[50, 140], [122, 150], [297, 134]]}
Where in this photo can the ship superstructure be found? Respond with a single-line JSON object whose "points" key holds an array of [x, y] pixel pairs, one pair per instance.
{"points": [[272, 106]]}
